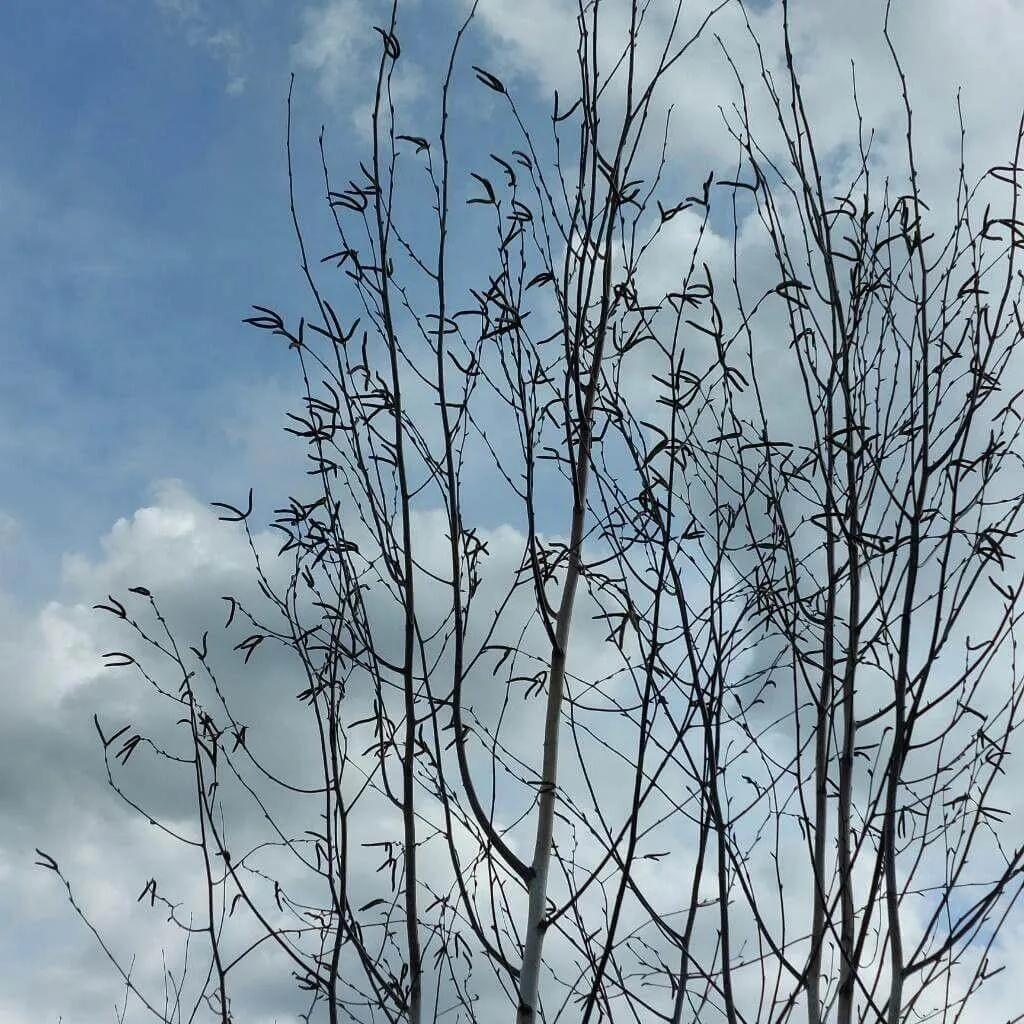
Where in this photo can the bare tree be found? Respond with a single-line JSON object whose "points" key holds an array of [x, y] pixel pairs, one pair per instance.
{"points": [[766, 785]]}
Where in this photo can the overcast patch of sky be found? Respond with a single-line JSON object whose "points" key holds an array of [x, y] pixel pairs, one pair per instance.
{"points": [[142, 209]]}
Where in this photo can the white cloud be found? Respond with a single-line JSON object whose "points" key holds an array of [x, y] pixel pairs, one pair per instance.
{"points": [[339, 46], [940, 49], [204, 29], [335, 41], [171, 542], [176, 547], [55, 681]]}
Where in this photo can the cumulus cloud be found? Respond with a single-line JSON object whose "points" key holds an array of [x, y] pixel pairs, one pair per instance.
{"points": [[54, 795], [941, 51]]}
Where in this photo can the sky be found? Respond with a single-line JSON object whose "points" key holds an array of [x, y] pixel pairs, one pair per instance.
{"points": [[143, 211]]}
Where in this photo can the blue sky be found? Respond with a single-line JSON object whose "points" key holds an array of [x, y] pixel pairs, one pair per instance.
{"points": [[144, 201], [143, 210], [142, 190]]}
